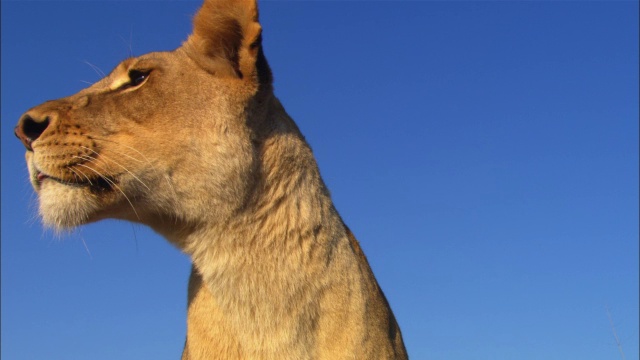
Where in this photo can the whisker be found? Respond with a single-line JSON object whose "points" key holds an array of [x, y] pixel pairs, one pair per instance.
{"points": [[135, 237], [115, 162], [166, 177], [89, 158], [77, 174], [127, 155], [86, 247], [115, 186], [129, 44], [96, 69], [33, 206], [124, 145], [173, 190]]}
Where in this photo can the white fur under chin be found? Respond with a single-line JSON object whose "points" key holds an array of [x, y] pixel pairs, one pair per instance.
{"points": [[63, 207]]}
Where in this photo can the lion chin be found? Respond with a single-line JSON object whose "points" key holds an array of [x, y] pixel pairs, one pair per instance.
{"points": [[65, 207]]}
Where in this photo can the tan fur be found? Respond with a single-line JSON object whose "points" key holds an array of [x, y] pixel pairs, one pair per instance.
{"points": [[201, 151]]}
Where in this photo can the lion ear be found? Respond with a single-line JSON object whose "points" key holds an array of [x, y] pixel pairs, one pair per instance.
{"points": [[228, 38]]}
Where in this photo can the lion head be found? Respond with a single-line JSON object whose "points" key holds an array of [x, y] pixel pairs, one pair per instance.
{"points": [[165, 137]]}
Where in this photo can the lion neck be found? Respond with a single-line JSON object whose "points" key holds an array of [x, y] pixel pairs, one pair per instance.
{"points": [[281, 229]]}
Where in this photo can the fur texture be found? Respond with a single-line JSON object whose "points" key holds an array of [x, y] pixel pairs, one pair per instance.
{"points": [[194, 144]]}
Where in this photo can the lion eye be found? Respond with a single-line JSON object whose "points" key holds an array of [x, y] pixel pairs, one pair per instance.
{"points": [[137, 77]]}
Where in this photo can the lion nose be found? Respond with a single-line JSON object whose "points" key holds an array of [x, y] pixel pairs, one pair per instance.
{"points": [[30, 128]]}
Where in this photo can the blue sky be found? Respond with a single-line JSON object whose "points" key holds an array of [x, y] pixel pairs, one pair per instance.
{"points": [[484, 153]]}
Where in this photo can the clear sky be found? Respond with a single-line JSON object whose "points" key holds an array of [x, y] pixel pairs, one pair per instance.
{"points": [[484, 153]]}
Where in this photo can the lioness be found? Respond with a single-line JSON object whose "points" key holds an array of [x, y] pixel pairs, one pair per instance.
{"points": [[194, 144]]}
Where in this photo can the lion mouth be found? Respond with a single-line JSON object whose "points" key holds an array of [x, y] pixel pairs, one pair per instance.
{"points": [[97, 183]]}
